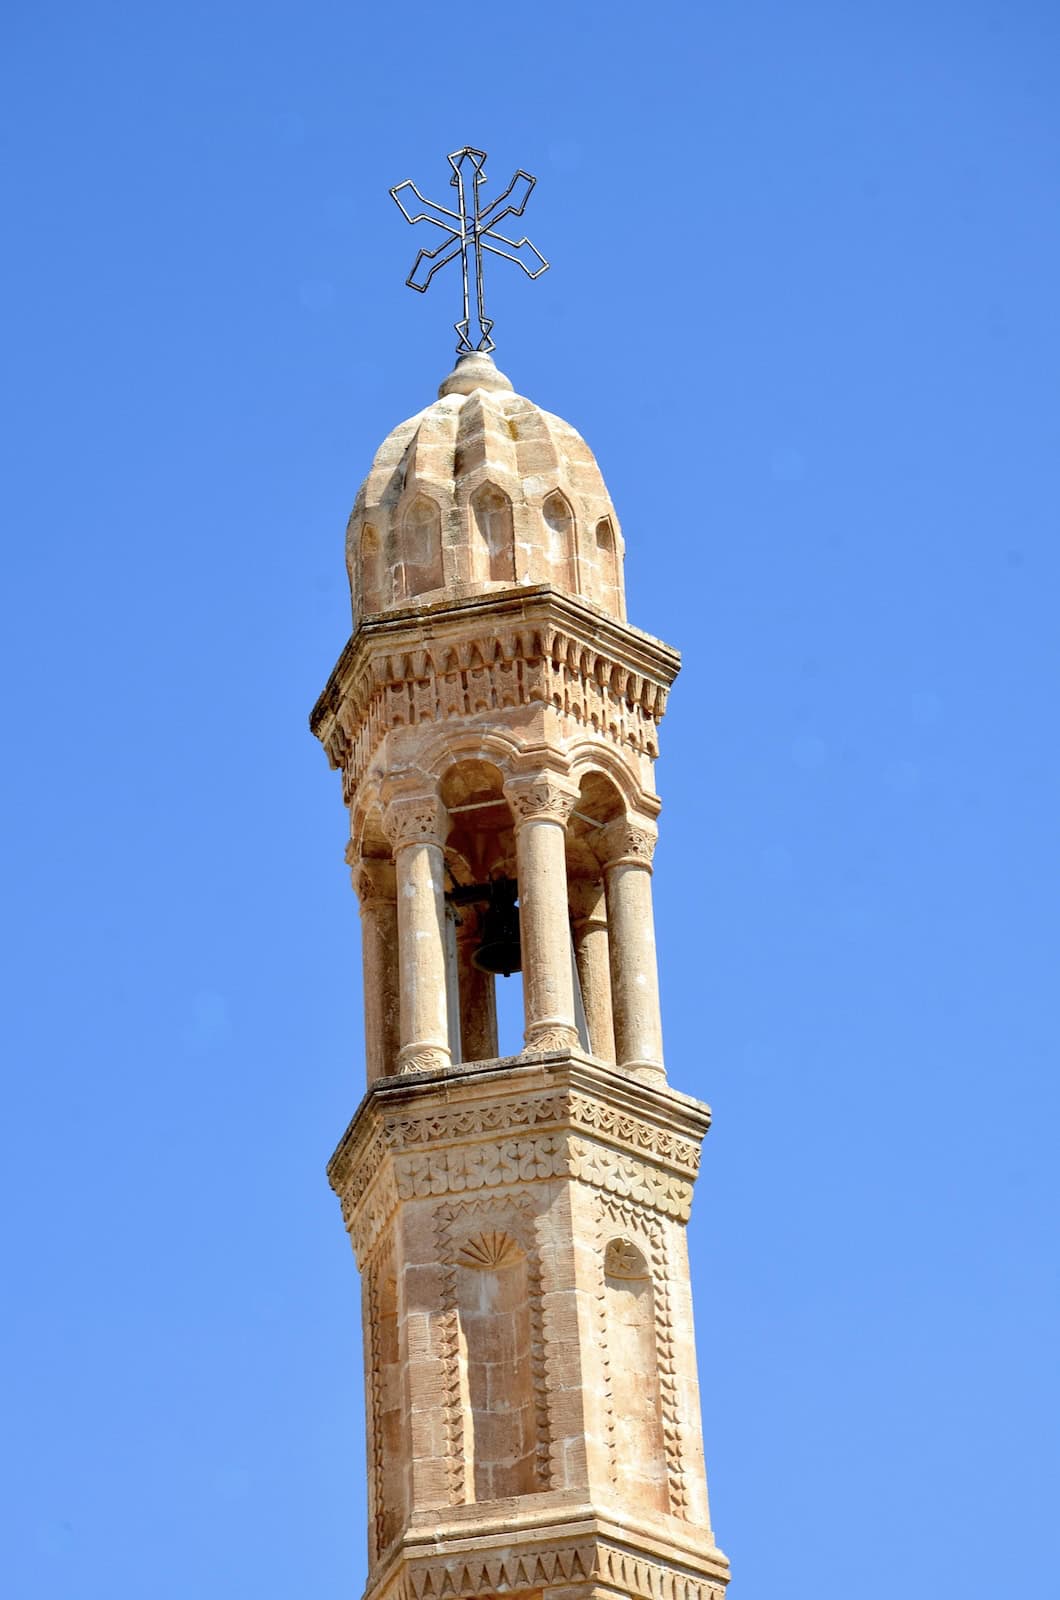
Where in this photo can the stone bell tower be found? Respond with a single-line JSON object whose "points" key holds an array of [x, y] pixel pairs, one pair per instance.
{"points": [[519, 1223]]}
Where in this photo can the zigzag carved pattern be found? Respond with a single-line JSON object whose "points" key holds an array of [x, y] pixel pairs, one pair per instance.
{"points": [[513, 1573]]}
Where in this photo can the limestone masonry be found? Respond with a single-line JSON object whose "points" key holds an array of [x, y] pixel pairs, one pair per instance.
{"points": [[519, 1223]]}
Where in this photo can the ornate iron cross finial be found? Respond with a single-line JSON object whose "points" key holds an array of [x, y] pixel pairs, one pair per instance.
{"points": [[471, 230]]}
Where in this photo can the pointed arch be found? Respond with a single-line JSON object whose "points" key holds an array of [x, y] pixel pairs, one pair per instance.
{"points": [[492, 535], [607, 566], [421, 546], [370, 571], [559, 525]]}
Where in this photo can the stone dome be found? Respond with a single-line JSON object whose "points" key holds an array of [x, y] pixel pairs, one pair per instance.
{"points": [[482, 491]]}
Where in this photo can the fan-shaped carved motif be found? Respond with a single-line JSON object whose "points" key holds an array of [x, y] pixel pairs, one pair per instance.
{"points": [[489, 1250]]}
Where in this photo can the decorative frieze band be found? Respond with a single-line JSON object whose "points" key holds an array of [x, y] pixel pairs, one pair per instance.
{"points": [[517, 1571], [460, 1169]]}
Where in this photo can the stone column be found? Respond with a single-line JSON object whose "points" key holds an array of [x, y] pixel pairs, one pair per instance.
{"points": [[478, 1000], [627, 846], [376, 886], [589, 922], [416, 827], [541, 804]]}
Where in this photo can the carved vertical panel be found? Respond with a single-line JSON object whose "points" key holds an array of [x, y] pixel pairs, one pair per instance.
{"points": [[633, 1225], [493, 1350]]}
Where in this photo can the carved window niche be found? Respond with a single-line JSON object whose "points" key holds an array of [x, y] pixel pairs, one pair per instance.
{"points": [[607, 566], [639, 1443], [421, 546], [371, 571], [559, 525], [389, 1413], [492, 536], [496, 1358]]}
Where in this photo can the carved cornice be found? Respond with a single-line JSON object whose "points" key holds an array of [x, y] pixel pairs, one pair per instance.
{"points": [[488, 653]]}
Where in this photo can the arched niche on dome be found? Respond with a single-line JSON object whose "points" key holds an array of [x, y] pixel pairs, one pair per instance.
{"points": [[607, 566], [559, 526], [492, 536], [370, 571], [421, 547]]}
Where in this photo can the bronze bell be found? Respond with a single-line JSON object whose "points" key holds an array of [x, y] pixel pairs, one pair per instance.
{"points": [[500, 950]]}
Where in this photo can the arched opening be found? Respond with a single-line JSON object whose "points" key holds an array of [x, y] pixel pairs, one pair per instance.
{"points": [[421, 547], [480, 865], [607, 566], [638, 1438], [492, 536], [599, 802], [493, 1307], [559, 525], [371, 565]]}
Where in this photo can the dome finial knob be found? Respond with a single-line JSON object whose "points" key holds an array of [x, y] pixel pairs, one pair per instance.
{"points": [[474, 371]]}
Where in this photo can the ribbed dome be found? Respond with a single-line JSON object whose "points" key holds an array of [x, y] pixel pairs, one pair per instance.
{"points": [[482, 491]]}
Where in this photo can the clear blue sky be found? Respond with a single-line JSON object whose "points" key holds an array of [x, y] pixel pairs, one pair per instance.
{"points": [[804, 305]]}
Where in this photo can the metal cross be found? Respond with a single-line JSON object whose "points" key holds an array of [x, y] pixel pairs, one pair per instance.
{"points": [[470, 230]]}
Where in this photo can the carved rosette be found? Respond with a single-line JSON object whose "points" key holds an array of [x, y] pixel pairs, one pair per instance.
{"points": [[542, 797], [628, 842]]}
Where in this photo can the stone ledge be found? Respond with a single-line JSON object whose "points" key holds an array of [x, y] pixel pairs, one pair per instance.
{"points": [[580, 1551]]}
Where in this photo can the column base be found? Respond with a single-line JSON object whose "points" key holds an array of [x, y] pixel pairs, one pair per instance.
{"points": [[423, 1058], [552, 1036], [646, 1071]]}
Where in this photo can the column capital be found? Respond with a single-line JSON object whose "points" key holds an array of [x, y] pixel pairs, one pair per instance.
{"points": [[417, 818], [588, 905], [629, 841], [540, 797], [373, 880]]}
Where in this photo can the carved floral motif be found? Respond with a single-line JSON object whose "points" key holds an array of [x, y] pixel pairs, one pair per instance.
{"points": [[419, 820], [628, 841]]}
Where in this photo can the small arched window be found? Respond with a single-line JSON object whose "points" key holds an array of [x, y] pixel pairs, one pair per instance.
{"points": [[559, 525], [492, 536], [421, 546], [607, 566], [371, 571]]}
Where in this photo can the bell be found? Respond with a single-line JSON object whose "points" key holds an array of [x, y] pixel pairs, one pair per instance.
{"points": [[500, 950]]}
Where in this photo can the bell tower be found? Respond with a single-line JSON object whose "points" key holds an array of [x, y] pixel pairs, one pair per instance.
{"points": [[519, 1222]]}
